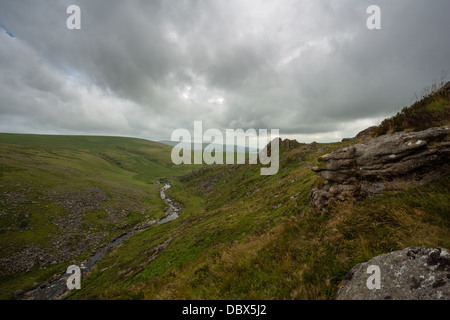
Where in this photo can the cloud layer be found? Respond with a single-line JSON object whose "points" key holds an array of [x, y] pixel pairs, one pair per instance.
{"points": [[144, 68]]}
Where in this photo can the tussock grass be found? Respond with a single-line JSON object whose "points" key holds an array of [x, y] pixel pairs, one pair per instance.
{"points": [[433, 110]]}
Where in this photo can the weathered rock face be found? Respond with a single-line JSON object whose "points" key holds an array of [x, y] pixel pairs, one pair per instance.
{"points": [[386, 163], [415, 273]]}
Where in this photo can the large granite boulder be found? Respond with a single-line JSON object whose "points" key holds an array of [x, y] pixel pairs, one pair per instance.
{"points": [[386, 163], [415, 273]]}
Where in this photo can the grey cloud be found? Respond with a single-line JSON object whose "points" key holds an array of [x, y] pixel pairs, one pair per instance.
{"points": [[144, 68]]}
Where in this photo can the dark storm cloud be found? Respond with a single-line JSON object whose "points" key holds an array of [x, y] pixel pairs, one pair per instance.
{"points": [[143, 68]]}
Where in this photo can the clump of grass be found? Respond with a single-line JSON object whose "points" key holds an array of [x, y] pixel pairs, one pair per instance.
{"points": [[433, 110]]}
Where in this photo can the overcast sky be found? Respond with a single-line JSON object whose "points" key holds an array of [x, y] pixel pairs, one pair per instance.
{"points": [[144, 68]]}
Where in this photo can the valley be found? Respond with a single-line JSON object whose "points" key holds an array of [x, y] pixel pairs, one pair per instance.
{"points": [[239, 235], [64, 197]]}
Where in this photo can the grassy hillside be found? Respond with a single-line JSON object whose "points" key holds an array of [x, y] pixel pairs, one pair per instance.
{"points": [[245, 236], [240, 235], [433, 110], [63, 196]]}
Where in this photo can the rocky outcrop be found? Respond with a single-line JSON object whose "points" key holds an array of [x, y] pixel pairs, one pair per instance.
{"points": [[386, 163], [286, 143], [364, 135], [415, 273]]}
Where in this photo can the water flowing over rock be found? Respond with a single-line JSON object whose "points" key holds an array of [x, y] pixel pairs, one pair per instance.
{"points": [[172, 211], [386, 163], [415, 273]]}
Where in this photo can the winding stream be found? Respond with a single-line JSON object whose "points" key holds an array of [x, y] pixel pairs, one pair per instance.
{"points": [[56, 289], [171, 212]]}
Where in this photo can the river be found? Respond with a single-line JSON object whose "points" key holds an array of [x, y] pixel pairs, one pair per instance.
{"points": [[56, 289]]}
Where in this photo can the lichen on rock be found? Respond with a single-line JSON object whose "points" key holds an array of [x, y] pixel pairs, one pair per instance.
{"points": [[386, 163], [415, 273]]}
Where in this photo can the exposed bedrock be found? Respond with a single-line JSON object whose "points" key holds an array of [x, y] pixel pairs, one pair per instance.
{"points": [[386, 163]]}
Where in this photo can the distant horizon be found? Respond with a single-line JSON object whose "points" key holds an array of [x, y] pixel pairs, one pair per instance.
{"points": [[143, 138]]}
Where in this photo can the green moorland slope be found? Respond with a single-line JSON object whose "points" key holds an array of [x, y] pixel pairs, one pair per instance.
{"points": [[63, 196], [246, 236]]}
